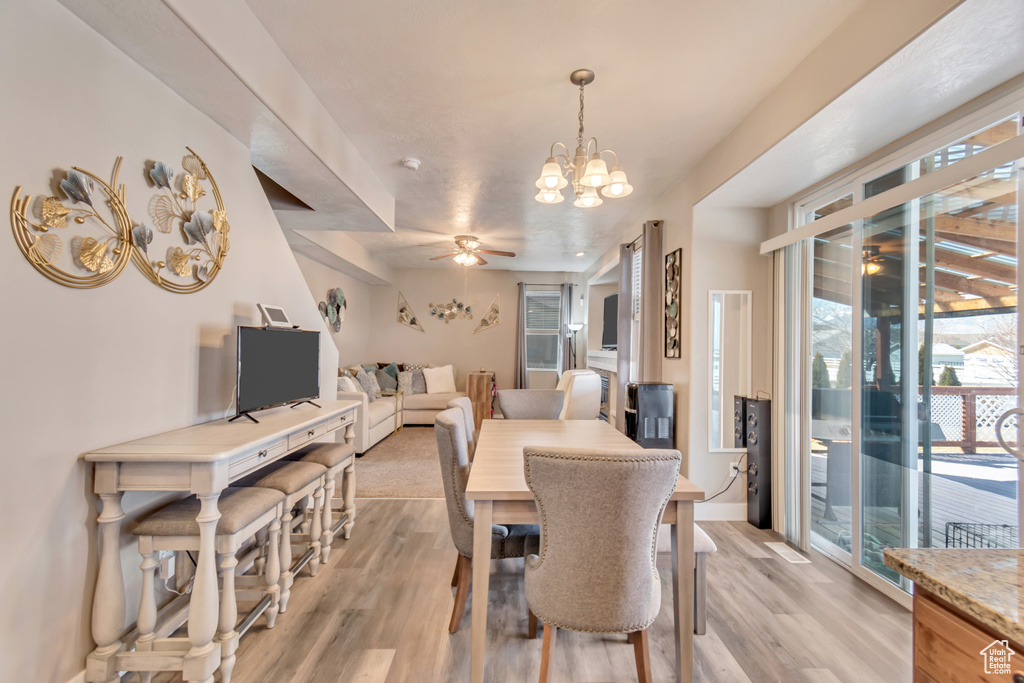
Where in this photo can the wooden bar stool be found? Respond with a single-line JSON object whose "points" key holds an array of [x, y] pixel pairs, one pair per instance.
{"points": [[243, 512], [337, 458], [297, 481]]}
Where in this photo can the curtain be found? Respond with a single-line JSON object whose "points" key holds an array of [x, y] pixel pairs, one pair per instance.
{"points": [[520, 366], [652, 335], [623, 355], [565, 317]]}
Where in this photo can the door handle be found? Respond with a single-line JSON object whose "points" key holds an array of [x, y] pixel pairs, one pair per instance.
{"points": [[999, 432]]}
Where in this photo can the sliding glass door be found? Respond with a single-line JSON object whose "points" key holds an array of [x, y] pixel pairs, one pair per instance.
{"points": [[911, 346]]}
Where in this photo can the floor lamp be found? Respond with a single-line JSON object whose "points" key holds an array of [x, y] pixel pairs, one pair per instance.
{"points": [[574, 328]]}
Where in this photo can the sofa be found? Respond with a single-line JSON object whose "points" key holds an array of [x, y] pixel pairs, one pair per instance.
{"points": [[377, 420]]}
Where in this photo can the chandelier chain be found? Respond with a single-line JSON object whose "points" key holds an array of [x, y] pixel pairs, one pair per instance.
{"points": [[579, 138]]}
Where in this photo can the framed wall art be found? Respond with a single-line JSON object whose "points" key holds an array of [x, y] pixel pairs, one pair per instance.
{"points": [[673, 304]]}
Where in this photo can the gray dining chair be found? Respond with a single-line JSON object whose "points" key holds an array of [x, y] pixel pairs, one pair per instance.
{"points": [[531, 404], [466, 406], [513, 540], [600, 510]]}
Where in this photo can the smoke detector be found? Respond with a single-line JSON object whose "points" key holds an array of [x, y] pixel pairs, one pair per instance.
{"points": [[411, 164]]}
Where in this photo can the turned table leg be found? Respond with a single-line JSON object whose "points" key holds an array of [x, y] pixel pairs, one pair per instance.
{"points": [[315, 528], [273, 576], [147, 609], [327, 537], [348, 492], [203, 609], [108, 601], [228, 617], [286, 556]]}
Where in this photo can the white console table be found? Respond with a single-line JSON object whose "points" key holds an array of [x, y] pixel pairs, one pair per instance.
{"points": [[203, 459]]}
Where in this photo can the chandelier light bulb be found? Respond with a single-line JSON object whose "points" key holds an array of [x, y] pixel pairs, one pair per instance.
{"points": [[596, 173], [588, 200], [549, 196], [617, 186], [465, 258], [551, 176]]}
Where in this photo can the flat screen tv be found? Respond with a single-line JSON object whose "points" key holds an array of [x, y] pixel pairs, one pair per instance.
{"points": [[610, 332], [276, 367]]}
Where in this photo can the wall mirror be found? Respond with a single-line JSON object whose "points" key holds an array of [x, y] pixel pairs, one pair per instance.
{"points": [[728, 363]]}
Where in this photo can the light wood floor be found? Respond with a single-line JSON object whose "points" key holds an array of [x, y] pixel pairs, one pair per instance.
{"points": [[378, 614]]}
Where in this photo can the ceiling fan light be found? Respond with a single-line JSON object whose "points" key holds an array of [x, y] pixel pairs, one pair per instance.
{"points": [[588, 200], [549, 196], [551, 177], [617, 186], [596, 173], [465, 258]]}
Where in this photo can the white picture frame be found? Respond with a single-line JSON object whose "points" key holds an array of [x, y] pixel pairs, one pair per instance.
{"points": [[274, 316]]}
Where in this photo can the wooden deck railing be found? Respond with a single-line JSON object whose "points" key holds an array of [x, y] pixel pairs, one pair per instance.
{"points": [[974, 418]]}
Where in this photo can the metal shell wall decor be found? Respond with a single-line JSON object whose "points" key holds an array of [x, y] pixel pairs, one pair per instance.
{"points": [[100, 257], [406, 316], [491, 317], [673, 304], [333, 310], [450, 311]]}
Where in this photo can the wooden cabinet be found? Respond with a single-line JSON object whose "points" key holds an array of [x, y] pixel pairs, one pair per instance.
{"points": [[480, 389], [948, 644]]}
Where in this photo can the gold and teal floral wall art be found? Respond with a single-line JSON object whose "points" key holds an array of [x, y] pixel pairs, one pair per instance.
{"points": [[333, 310], [451, 310], [87, 239]]}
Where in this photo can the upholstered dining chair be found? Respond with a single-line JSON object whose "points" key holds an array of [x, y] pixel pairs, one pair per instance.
{"points": [[531, 404], [600, 511], [512, 540], [466, 406]]}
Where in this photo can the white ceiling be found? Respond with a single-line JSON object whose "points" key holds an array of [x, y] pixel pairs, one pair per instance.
{"points": [[974, 48], [479, 90]]}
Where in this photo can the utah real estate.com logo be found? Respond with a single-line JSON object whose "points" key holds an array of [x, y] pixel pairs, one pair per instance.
{"points": [[997, 657]]}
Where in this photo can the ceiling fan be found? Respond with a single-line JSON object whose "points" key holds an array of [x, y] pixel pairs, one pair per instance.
{"points": [[467, 251]]}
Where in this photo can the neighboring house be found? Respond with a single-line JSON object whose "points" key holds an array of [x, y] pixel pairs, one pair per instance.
{"points": [[987, 364]]}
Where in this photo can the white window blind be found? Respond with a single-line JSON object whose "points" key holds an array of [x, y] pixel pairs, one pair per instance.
{"points": [[637, 280], [543, 320]]}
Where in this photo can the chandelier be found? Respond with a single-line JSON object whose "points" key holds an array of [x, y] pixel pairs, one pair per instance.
{"points": [[590, 176]]}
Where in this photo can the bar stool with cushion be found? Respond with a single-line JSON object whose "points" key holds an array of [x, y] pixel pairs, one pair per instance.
{"points": [[600, 510], [531, 404], [513, 540], [337, 458], [243, 512], [466, 406], [297, 481]]}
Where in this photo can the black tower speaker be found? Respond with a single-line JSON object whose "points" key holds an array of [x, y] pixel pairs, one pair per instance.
{"points": [[739, 421], [759, 462], [650, 414]]}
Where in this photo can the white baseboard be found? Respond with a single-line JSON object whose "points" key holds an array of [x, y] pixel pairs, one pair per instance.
{"points": [[720, 512]]}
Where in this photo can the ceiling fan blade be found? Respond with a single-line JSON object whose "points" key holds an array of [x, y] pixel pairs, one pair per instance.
{"points": [[480, 261], [442, 256], [495, 253]]}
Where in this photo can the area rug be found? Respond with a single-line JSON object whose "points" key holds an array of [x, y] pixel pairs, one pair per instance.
{"points": [[403, 465]]}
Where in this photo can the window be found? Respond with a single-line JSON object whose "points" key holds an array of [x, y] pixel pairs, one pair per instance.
{"points": [[543, 312]]}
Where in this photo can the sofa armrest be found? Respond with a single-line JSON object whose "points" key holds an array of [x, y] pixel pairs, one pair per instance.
{"points": [[361, 427]]}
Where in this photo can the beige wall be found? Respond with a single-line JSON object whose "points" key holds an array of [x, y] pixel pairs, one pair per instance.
{"points": [[90, 368], [353, 339], [454, 342]]}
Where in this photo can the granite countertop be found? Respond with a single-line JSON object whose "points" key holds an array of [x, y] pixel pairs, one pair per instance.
{"points": [[986, 584]]}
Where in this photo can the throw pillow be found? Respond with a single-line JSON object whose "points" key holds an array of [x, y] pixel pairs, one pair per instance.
{"points": [[347, 384], [405, 381], [386, 381], [368, 386], [354, 370], [415, 366], [439, 380], [370, 368], [391, 368], [419, 385]]}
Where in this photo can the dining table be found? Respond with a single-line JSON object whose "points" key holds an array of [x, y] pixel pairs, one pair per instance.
{"points": [[497, 487]]}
